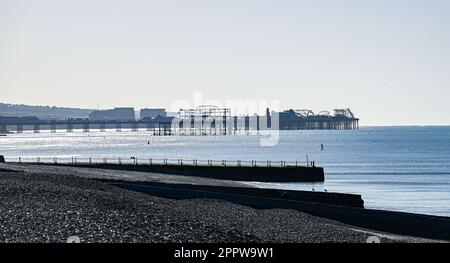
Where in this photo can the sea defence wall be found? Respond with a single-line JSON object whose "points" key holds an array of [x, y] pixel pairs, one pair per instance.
{"points": [[236, 173], [188, 191], [344, 208]]}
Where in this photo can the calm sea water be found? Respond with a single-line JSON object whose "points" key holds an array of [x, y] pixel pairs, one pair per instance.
{"points": [[393, 168]]}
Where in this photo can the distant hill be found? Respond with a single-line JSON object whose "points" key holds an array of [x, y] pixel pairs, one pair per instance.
{"points": [[43, 112]]}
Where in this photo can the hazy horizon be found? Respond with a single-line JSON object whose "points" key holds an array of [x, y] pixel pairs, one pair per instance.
{"points": [[387, 61]]}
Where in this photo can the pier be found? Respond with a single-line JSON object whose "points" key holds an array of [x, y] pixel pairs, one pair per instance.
{"points": [[158, 126], [203, 120]]}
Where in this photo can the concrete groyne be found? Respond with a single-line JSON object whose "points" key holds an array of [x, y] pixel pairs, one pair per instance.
{"points": [[345, 208], [236, 173], [189, 191]]}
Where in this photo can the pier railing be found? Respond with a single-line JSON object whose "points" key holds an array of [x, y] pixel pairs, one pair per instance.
{"points": [[155, 161]]}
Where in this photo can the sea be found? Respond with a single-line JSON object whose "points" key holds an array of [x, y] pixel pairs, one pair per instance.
{"points": [[403, 169]]}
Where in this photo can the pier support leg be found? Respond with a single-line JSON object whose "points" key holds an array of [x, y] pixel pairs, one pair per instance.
{"points": [[224, 124], [53, 127], [86, 127], [19, 128], [3, 129], [134, 127]]}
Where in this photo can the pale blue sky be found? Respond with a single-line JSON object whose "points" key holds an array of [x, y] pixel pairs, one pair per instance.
{"points": [[389, 61]]}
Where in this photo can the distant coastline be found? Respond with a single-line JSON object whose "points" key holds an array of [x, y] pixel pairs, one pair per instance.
{"points": [[43, 112]]}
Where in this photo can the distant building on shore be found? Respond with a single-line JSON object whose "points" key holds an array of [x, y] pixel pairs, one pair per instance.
{"points": [[151, 113], [122, 114]]}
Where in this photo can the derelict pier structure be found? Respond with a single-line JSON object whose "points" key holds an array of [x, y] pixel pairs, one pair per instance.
{"points": [[343, 119]]}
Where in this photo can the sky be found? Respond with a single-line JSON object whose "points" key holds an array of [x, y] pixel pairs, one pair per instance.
{"points": [[388, 61]]}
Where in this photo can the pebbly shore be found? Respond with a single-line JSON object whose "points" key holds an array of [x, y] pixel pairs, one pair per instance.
{"points": [[49, 204]]}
